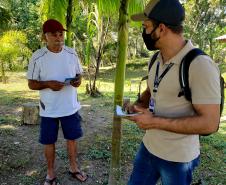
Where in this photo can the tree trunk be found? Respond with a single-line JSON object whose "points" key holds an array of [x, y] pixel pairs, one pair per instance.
{"points": [[100, 51], [30, 114], [3, 73], [69, 22], [115, 171], [135, 48], [211, 48]]}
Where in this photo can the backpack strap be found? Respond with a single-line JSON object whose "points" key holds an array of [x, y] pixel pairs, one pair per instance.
{"points": [[153, 59], [184, 72], [222, 84]]}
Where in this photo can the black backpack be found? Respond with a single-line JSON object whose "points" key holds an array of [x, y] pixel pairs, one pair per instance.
{"points": [[184, 75]]}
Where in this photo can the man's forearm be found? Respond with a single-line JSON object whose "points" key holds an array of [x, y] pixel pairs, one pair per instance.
{"points": [[37, 85], [187, 125], [144, 99]]}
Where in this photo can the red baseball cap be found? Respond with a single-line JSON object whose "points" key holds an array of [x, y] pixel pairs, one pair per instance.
{"points": [[52, 25]]}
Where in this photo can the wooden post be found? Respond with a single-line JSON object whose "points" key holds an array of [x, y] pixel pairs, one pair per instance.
{"points": [[30, 114]]}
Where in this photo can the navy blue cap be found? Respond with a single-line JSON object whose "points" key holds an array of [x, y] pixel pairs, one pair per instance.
{"points": [[170, 12]]}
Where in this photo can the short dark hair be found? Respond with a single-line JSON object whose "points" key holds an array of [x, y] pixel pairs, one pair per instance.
{"points": [[175, 29]]}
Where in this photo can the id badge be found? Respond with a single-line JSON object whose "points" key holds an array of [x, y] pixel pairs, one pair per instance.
{"points": [[152, 105]]}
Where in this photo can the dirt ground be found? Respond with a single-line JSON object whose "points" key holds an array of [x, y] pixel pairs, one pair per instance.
{"points": [[22, 159]]}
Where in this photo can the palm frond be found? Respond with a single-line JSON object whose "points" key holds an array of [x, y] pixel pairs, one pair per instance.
{"points": [[108, 7], [55, 9], [136, 6]]}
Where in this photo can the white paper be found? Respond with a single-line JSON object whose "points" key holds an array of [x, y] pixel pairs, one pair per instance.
{"points": [[120, 112]]}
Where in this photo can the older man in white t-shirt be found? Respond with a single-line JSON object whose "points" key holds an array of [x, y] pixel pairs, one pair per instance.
{"points": [[55, 71]]}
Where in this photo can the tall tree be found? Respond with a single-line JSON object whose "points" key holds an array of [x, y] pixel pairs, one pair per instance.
{"points": [[25, 17], [115, 173], [205, 20], [12, 45], [97, 28], [4, 21], [102, 32], [125, 8], [90, 33], [55, 9], [69, 19], [5, 17]]}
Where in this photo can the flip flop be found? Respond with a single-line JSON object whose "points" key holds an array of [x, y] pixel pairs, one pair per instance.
{"points": [[51, 181], [76, 174]]}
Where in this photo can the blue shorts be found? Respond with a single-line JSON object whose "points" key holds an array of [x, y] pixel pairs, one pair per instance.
{"points": [[148, 169], [70, 125]]}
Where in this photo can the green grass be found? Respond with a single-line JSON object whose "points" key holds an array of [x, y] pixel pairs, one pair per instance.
{"points": [[16, 92], [131, 140], [100, 149]]}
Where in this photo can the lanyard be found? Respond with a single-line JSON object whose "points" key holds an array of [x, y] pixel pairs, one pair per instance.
{"points": [[159, 78], [156, 84]]}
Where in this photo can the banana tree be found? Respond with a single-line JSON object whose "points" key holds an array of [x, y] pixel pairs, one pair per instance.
{"points": [[55, 9], [90, 32], [102, 24], [125, 8], [101, 41], [69, 18], [114, 177]]}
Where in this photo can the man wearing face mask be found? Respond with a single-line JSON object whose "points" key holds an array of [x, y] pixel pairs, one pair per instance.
{"points": [[170, 149], [56, 72]]}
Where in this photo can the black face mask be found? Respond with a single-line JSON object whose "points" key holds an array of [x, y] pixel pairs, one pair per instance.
{"points": [[149, 41]]}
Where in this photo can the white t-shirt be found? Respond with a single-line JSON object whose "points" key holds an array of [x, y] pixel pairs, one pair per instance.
{"points": [[46, 65]]}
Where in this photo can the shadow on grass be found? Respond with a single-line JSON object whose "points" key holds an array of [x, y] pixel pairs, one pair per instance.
{"points": [[137, 69], [14, 97]]}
